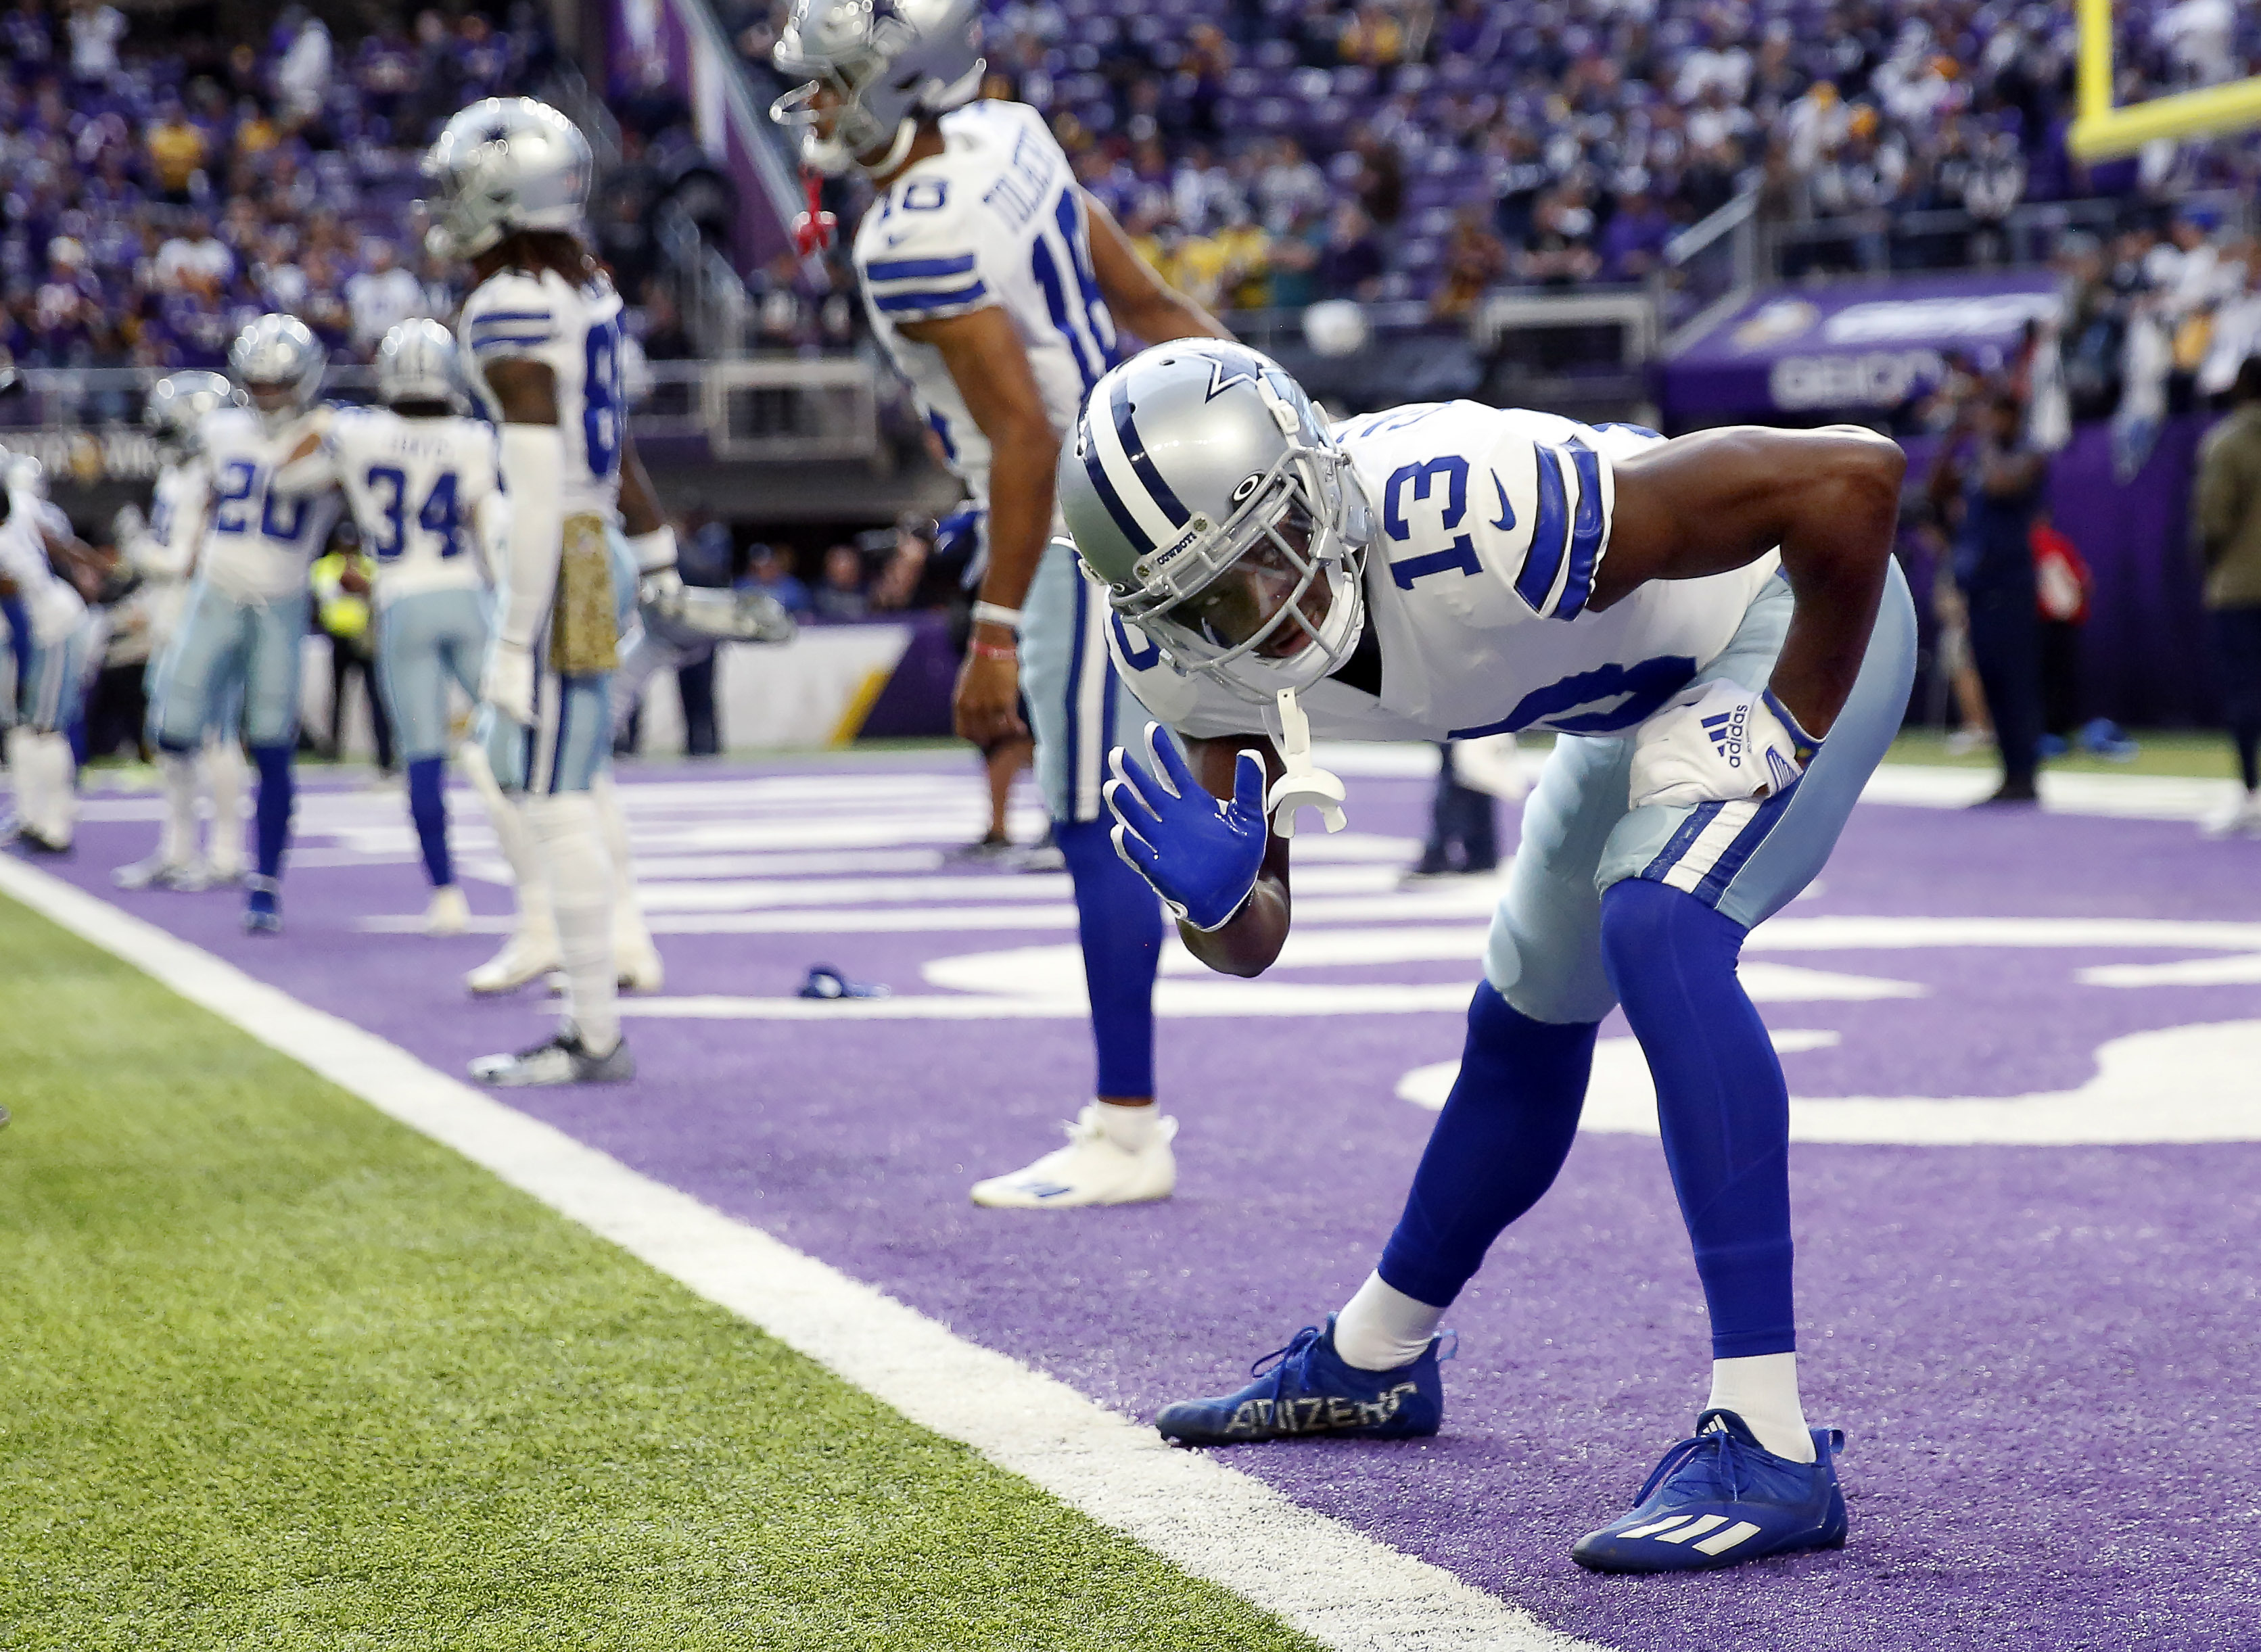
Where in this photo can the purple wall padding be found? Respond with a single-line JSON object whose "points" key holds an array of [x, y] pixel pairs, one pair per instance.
{"points": [[915, 702]]}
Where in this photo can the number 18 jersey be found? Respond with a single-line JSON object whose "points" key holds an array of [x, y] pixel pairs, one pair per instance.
{"points": [[574, 331]]}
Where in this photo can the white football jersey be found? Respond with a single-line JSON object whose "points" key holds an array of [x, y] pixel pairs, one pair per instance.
{"points": [[995, 219], [1490, 524], [576, 333], [258, 543], [166, 549], [414, 487], [51, 601]]}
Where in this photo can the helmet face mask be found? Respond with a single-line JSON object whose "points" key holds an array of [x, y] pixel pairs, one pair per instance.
{"points": [[869, 69], [1262, 589]]}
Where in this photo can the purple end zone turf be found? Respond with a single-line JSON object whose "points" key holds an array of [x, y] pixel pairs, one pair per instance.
{"points": [[2044, 1357]]}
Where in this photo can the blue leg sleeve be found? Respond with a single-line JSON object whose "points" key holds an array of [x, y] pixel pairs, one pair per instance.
{"points": [[427, 807], [1720, 1100], [1119, 923], [1505, 1129], [271, 819]]}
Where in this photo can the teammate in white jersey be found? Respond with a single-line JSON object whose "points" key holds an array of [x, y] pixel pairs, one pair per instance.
{"points": [[1691, 618], [996, 285], [421, 480], [510, 179], [239, 633], [52, 571], [162, 549]]}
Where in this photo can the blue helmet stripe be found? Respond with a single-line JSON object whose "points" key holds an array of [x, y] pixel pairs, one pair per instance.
{"points": [[1549, 533], [1108, 497], [1585, 532], [1142, 463]]}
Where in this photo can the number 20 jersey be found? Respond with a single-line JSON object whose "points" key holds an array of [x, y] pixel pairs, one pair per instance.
{"points": [[258, 543], [574, 331], [995, 219], [1490, 526]]}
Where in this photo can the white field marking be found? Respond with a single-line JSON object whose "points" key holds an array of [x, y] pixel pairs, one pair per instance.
{"points": [[1173, 1001], [2122, 796], [2174, 1085], [1044, 972], [732, 895], [412, 923], [1879, 934], [1427, 1086], [1322, 1577], [2241, 969]]}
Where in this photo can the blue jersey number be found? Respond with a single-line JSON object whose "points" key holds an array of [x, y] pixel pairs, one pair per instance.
{"points": [[439, 515], [601, 399], [240, 481], [1419, 481]]}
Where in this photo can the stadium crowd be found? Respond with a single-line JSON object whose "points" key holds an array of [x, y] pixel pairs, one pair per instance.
{"points": [[1274, 152]]}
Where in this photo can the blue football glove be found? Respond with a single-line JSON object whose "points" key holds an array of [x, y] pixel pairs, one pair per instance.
{"points": [[1201, 853]]}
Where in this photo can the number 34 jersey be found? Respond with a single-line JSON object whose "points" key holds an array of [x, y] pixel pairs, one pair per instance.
{"points": [[574, 331], [1490, 526], [416, 487]]}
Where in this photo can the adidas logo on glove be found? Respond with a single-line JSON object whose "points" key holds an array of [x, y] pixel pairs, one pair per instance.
{"points": [[1729, 731], [1718, 743]]}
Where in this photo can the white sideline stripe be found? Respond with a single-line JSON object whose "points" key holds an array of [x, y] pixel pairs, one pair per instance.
{"points": [[1325, 1579]]}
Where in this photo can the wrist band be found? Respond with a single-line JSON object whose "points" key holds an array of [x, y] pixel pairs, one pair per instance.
{"points": [[994, 650], [996, 614]]}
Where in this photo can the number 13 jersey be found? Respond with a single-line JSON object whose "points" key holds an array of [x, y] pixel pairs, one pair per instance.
{"points": [[1490, 526], [575, 332]]}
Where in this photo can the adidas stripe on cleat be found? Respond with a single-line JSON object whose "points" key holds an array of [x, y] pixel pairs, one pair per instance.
{"points": [[1720, 1498], [1305, 1388]]}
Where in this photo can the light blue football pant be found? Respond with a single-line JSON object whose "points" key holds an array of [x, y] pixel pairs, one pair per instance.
{"points": [[1746, 861], [571, 737], [1079, 707], [425, 641], [227, 652], [53, 689]]}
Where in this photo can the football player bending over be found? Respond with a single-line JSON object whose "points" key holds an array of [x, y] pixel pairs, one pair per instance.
{"points": [[996, 285], [1714, 630], [54, 573]]}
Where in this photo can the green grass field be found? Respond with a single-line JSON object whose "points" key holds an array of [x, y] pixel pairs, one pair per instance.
{"points": [[284, 1374]]}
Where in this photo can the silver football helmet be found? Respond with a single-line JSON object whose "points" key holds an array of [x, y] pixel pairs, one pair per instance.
{"points": [[177, 405], [1202, 489], [502, 165], [278, 361], [417, 362], [694, 616], [879, 65]]}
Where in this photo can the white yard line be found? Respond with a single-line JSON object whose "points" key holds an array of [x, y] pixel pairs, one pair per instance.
{"points": [[1315, 1573]]}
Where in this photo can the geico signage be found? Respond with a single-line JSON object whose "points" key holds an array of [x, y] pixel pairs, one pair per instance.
{"points": [[1878, 379], [1894, 320], [74, 454]]}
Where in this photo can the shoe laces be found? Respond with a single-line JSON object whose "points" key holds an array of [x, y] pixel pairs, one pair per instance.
{"points": [[1278, 1360], [1715, 1449]]}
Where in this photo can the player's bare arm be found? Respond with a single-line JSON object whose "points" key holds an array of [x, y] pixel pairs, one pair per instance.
{"points": [[1722, 499], [526, 391], [640, 511], [983, 353], [1136, 296]]}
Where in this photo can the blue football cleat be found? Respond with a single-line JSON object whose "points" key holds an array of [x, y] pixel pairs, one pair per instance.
{"points": [[1306, 1388], [1722, 1499], [262, 910]]}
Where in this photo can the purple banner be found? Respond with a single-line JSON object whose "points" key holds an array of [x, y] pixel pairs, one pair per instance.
{"points": [[1851, 345]]}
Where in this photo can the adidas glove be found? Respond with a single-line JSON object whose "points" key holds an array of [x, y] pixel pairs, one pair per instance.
{"points": [[1717, 744], [1201, 853]]}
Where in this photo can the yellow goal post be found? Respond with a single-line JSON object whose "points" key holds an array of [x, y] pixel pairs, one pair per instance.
{"points": [[2099, 130]]}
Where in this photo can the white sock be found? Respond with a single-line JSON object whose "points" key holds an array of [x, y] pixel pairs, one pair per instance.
{"points": [[59, 767], [176, 838], [1129, 1128], [1761, 1389], [572, 845], [25, 780], [629, 934], [528, 878], [223, 768], [1382, 1328]]}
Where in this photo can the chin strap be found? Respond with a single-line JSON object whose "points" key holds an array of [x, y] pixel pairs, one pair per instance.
{"points": [[813, 230], [907, 130], [1305, 784]]}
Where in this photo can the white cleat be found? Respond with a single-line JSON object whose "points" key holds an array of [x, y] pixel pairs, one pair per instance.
{"points": [[226, 874], [450, 913], [640, 969], [2241, 819], [518, 962], [1091, 1169], [190, 877], [564, 1059]]}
